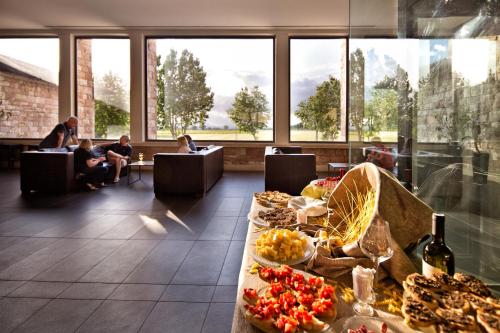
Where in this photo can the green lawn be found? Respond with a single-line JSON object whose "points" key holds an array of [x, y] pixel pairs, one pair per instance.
{"points": [[263, 135]]}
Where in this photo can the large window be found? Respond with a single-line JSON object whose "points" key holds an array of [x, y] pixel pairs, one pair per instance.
{"points": [[29, 78], [317, 89], [103, 87], [383, 85], [211, 88]]}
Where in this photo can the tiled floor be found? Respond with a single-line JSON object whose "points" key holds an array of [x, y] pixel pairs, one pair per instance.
{"points": [[120, 260]]}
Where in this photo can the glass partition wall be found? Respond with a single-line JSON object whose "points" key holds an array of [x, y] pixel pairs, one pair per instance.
{"points": [[428, 91]]}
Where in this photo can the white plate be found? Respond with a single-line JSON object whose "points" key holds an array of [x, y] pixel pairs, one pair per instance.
{"points": [[310, 248], [301, 202], [394, 325]]}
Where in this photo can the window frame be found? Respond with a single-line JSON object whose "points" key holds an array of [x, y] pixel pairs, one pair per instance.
{"points": [[36, 36], [225, 36], [75, 76], [346, 38]]}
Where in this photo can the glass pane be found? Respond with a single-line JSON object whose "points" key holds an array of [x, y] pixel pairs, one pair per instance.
{"points": [[103, 87], [448, 144], [213, 89], [29, 79], [317, 89]]}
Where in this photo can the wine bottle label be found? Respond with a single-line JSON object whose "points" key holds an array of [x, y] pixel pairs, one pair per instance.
{"points": [[428, 270]]}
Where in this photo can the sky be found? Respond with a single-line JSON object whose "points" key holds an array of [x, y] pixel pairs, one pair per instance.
{"points": [[230, 64], [312, 61]]}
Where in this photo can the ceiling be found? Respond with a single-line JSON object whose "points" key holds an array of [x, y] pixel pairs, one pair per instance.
{"points": [[50, 14]]}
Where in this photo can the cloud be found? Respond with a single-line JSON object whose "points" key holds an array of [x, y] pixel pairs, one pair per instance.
{"points": [[252, 79], [439, 47]]}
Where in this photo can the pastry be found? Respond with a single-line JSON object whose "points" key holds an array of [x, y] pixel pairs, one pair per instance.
{"points": [[489, 322], [417, 315], [272, 198], [279, 217], [456, 319], [421, 295], [447, 282], [475, 285], [419, 280], [452, 300]]}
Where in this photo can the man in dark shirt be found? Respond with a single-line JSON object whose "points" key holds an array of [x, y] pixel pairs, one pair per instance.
{"points": [[119, 153], [60, 135]]}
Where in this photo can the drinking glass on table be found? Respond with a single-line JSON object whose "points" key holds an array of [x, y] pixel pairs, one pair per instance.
{"points": [[141, 157], [376, 243], [362, 284]]}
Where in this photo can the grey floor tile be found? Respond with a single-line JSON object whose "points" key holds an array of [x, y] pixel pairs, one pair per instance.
{"points": [[5, 242], [230, 205], [60, 315], [40, 289], [116, 267], [176, 317], [188, 293], [219, 318], [241, 230], [14, 311], [99, 227], [17, 252], [219, 228], [76, 265], [203, 264], [154, 225], [118, 316], [32, 228], [160, 266], [70, 226], [7, 287], [89, 290], [138, 292], [232, 265], [225, 294], [41, 260], [125, 229]]}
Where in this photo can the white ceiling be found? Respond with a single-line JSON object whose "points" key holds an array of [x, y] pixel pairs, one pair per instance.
{"points": [[43, 14]]}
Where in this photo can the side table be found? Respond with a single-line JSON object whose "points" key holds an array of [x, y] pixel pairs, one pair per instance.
{"points": [[138, 164]]}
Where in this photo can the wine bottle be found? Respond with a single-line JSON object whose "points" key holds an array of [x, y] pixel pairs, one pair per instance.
{"points": [[437, 256]]}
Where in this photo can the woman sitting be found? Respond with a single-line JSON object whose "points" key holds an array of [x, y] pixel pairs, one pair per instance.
{"points": [[88, 166], [183, 145], [191, 144]]}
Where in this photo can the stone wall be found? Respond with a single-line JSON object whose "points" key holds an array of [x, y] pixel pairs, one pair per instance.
{"points": [[446, 94], [251, 158], [32, 104], [85, 89], [152, 90]]}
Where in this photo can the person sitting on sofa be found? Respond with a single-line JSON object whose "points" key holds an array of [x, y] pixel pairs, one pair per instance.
{"points": [[88, 166], [119, 153], [191, 144], [59, 136], [183, 145]]}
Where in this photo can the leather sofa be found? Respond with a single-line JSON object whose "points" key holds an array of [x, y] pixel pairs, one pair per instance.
{"points": [[53, 171], [47, 171], [191, 173], [288, 170]]}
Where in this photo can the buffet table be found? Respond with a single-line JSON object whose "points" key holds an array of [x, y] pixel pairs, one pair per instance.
{"points": [[249, 280]]}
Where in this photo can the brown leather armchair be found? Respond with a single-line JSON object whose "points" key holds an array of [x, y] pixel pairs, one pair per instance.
{"points": [[47, 172], [176, 173], [288, 170]]}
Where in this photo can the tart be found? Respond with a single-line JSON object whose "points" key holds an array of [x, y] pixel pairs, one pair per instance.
{"points": [[421, 295], [417, 315], [447, 282], [489, 322], [475, 285], [456, 319], [453, 300], [272, 198], [419, 280]]}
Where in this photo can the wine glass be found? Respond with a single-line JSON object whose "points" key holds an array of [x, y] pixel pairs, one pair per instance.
{"points": [[376, 243]]}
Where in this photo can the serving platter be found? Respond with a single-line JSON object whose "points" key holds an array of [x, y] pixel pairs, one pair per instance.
{"points": [[394, 325], [308, 253]]}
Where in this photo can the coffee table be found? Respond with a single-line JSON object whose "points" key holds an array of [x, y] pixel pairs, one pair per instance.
{"points": [[138, 164]]}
